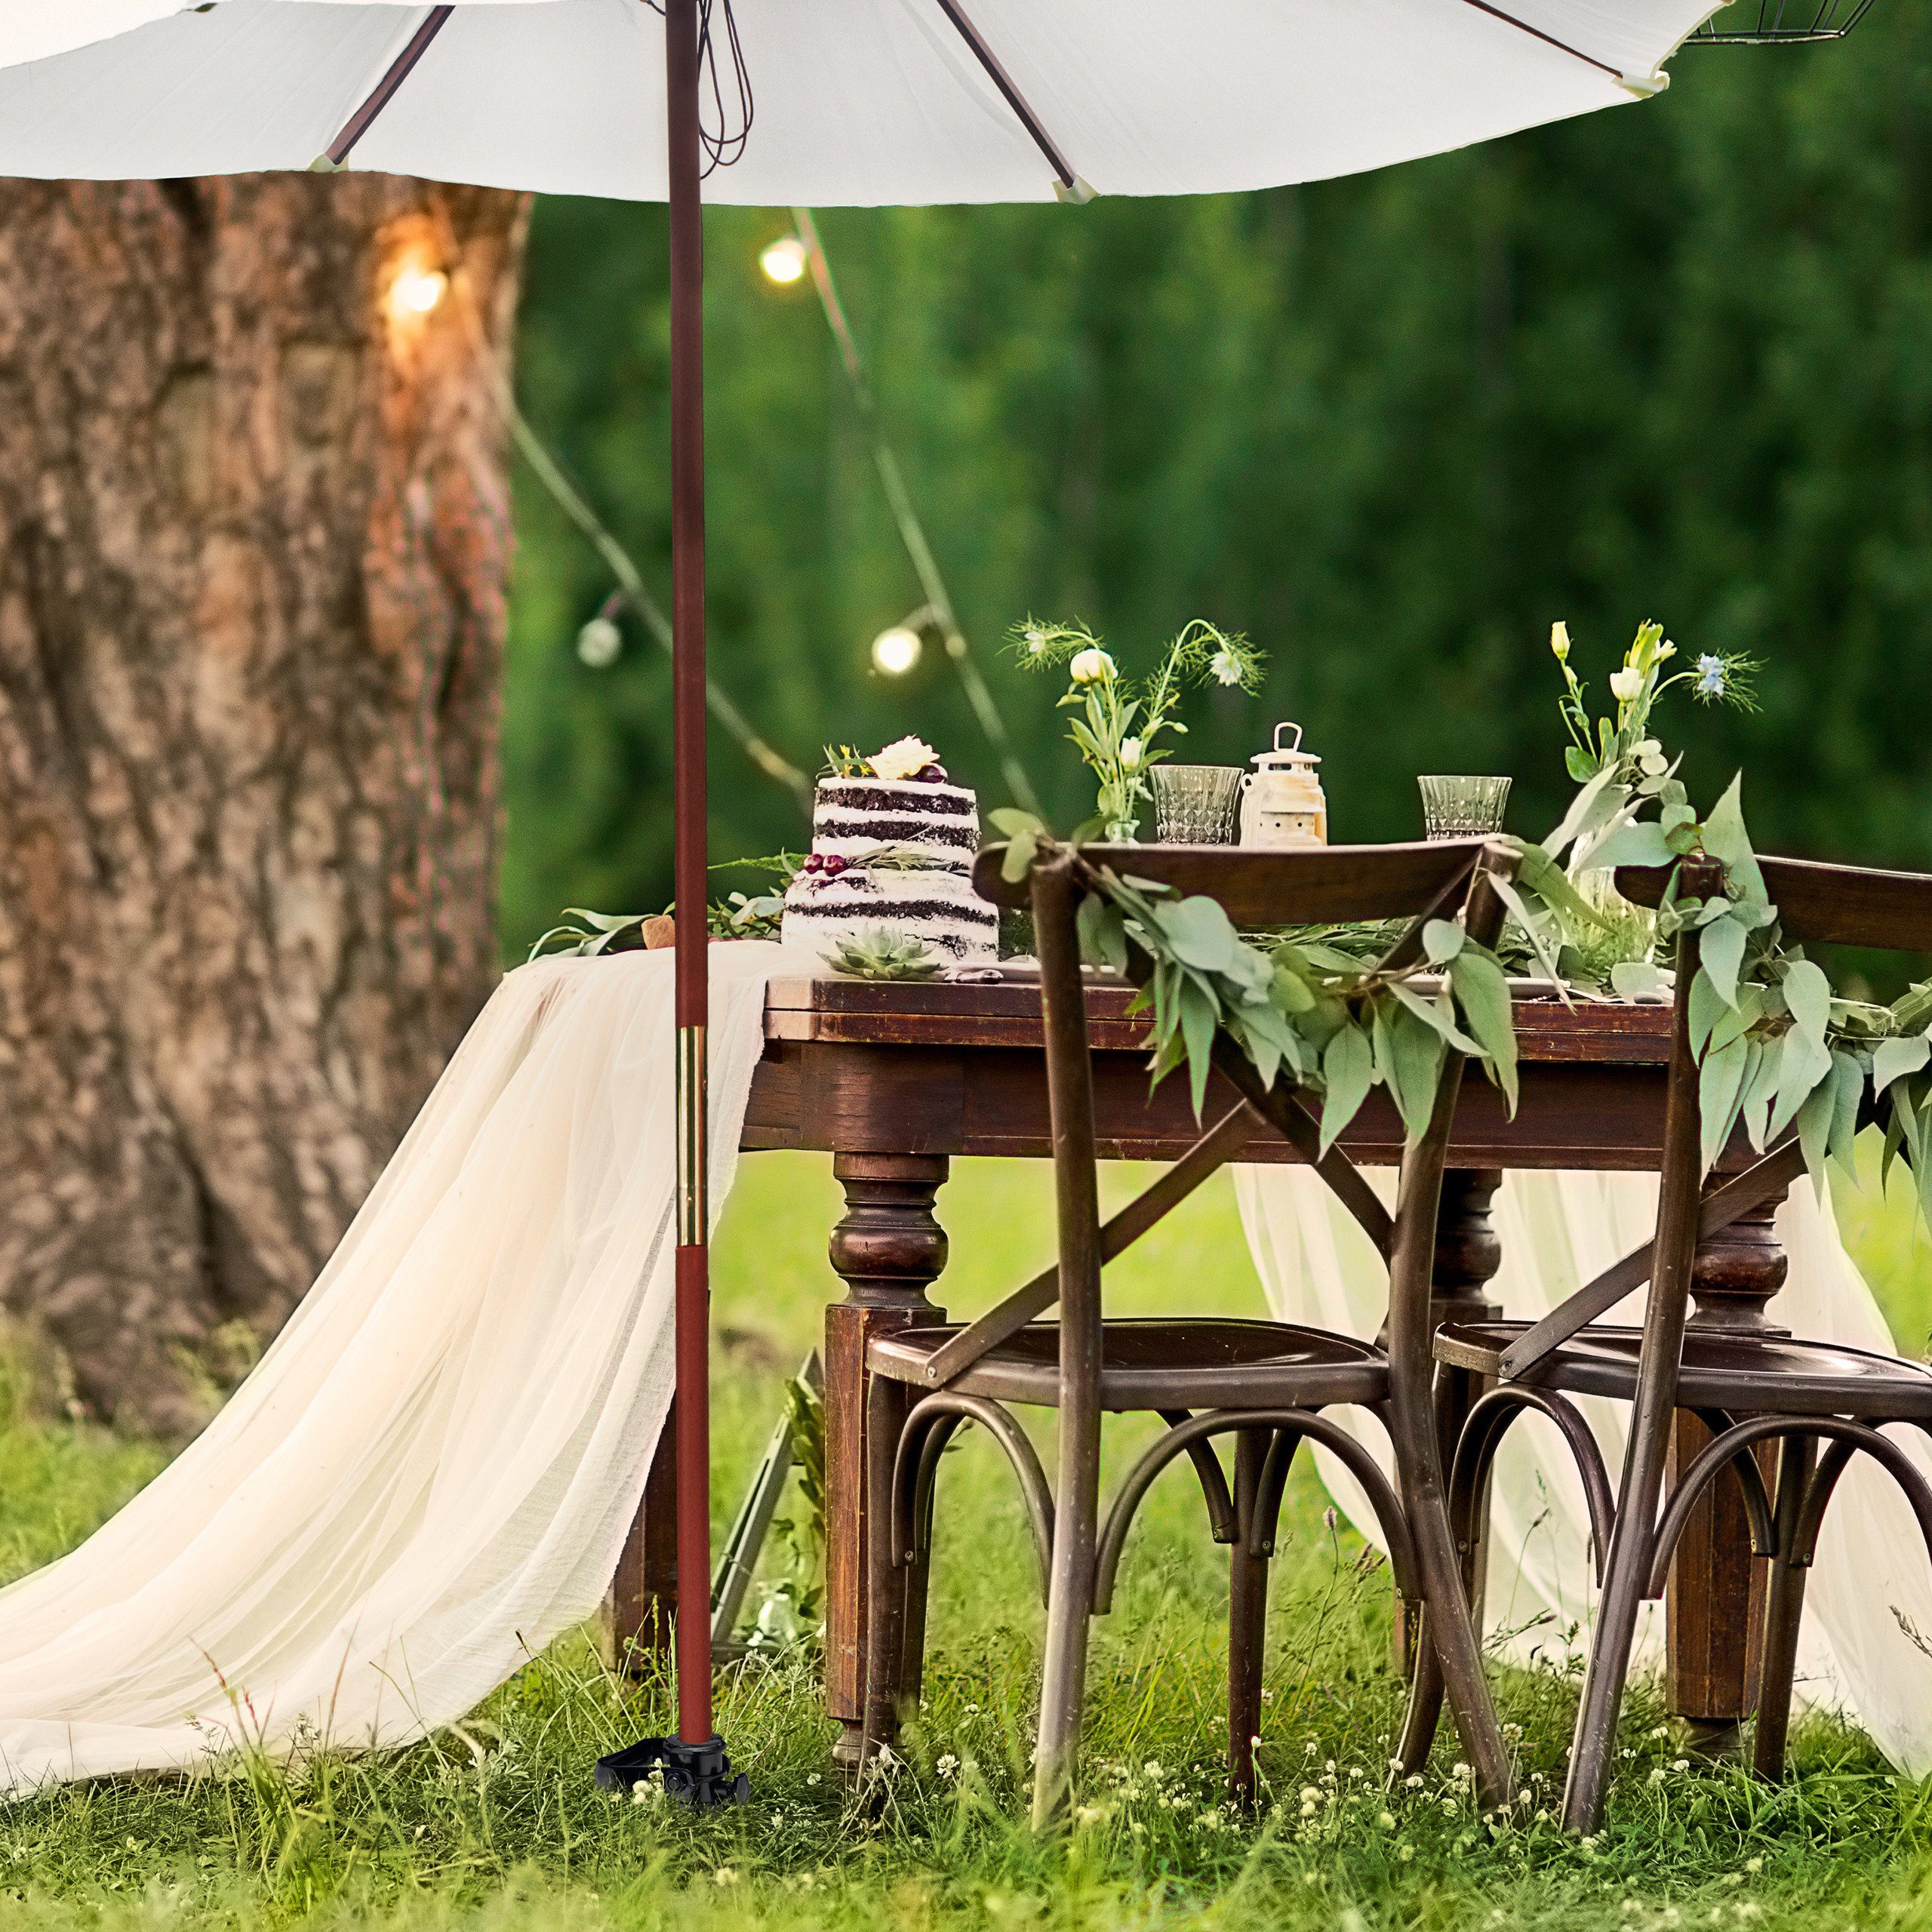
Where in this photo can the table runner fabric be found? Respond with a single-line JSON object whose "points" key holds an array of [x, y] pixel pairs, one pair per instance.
{"points": [[429, 1475], [1866, 1649]]}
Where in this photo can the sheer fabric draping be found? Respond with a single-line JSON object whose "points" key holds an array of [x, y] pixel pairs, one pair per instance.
{"points": [[1868, 1608], [429, 1474]]}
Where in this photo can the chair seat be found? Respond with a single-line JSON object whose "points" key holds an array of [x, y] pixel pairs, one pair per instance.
{"points": [[1157, 1364], [1743, 1373]]}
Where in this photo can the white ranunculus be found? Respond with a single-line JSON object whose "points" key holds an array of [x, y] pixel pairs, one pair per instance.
{"points": [[1129, 754], [1091, 666], [1626, 683], [902, 758]]}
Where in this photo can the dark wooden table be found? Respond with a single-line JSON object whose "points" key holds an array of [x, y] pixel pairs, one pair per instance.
{"points": [[895, 1081]]}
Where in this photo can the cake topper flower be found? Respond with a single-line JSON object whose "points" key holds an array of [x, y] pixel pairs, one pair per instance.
{"points": [[901, 758]]}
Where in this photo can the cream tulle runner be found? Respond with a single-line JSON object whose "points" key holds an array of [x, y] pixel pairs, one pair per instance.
{"points": [[1869, 1607], [429, 1475]]}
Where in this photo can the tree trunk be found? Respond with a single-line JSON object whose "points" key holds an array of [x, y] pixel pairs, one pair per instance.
{"points": [[254, 534]]}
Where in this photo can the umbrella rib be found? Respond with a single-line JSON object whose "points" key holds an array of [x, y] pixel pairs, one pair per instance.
{"points": [[1483, 7], [357, 124], [1071, 187]]}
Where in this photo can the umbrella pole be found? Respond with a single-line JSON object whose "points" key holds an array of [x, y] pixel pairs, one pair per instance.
{"points": [[693, 1764]]}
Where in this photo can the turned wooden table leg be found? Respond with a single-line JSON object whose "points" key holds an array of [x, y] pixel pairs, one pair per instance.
{"points": [[888, 1249], [644, 1592], [1714, 1605], [1467, 1256]]}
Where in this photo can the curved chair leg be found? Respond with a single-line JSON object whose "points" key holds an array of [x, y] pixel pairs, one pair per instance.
{"points": [[1248, 1613], [1784, 1608], [918, 1553]]}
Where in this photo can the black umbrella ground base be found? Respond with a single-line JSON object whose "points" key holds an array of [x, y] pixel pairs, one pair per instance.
{"points": [[698, 1774]]}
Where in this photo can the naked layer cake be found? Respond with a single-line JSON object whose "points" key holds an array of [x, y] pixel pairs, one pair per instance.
{"points": [[892, 852]]}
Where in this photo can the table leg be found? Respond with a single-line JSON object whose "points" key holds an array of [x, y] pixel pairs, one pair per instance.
{"points": [[888, 1249], [1467, 1256], [644, 1592], [1714, 1605]]}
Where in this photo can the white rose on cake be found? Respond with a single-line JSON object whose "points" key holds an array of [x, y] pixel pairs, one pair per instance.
{"points": [[904, 757]]}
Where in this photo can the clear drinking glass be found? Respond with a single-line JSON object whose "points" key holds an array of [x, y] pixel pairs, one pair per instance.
{"points": [[1194, 805], [1462, 807]]}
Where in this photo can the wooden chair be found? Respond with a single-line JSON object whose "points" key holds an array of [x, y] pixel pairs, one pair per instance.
{"points": [[1750, 1382], [1265, 1384]]}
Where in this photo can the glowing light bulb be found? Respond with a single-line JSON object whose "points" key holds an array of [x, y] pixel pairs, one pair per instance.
{"points": [[417, 290], [895, 651], [785, 261]]}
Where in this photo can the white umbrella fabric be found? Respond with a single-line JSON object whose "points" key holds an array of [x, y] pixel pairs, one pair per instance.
{"points": [[793, 103], [858, 102]]}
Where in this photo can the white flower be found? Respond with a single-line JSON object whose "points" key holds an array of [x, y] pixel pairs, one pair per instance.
{"points": [[1036, 642], [1224, 667], [1710, 676], [1091, 666], [1559, 642], [599, 643], [902, 758], [1130, 754], [1626, 683], [724, 1875], [947, 1765]]}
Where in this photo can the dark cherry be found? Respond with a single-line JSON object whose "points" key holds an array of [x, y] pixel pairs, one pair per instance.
{"points": [[834, 865], [813, 862], [930, 774]]}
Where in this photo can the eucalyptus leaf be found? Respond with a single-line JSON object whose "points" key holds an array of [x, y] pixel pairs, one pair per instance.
{"points": [[1019, 860], [1808, 993], [1484, 994], [1640, 843], [1720, 1088], [1011, 820], [1720, 951], [1438, 1015], [1200, 932], [1892, 1059], [1415, 1066], [1442, 940], [1200, 1017], [1348, 1071], [1637, 979], [1725, 839]]}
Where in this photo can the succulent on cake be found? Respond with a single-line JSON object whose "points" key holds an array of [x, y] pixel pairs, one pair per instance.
{"points": [[879, 953]]}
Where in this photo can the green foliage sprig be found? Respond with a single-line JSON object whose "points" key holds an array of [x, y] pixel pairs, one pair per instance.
{"points": [[1117, 724], [584, 934]]}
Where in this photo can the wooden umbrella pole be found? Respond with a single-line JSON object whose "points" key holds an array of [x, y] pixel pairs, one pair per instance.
{"points": [[689, 881], [693, 1764]]}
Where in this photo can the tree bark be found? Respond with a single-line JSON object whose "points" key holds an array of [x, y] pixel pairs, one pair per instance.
{"points": [[254, 536]]}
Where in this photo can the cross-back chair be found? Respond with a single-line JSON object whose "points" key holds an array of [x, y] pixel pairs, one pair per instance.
{"points": [[1265, 1383], [1750, 1382]]}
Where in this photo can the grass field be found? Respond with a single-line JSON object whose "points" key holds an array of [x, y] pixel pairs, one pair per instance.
{"points": [[496, 1824]]}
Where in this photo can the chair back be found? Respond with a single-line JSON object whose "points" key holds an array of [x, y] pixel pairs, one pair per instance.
{"points": [[1826, 905], [1317, 885]]}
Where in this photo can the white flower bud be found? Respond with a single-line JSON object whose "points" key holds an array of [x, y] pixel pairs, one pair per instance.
{"points": [[1130, 754], [1626, 683], [1091, 666], [1559, 642], [599, 643]]}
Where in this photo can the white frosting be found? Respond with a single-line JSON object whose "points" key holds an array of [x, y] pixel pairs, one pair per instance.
{"points": [[934, 830]]}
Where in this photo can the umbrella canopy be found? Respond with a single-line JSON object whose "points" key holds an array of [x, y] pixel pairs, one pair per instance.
{"points": [[858, 102], [855, 103]]}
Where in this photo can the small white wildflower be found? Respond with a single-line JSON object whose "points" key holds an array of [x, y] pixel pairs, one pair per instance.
{"points": [[599, 643], [1091, 666], [1680, 1764], [1413, 1781], [1036, 641], [947, 1766], [725, 1875], [1387, 1821], [1224, 667], [1754, 1865]]}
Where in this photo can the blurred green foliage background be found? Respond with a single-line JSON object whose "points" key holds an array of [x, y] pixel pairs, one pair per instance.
{"points": [[1673, 361]]}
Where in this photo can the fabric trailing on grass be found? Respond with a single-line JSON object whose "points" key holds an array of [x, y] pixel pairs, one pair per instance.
{"points": [[429, 1475], [1868, 1614]]}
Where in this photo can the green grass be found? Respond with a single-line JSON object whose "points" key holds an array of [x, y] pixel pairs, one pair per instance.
{"points": [[495, 1823]]}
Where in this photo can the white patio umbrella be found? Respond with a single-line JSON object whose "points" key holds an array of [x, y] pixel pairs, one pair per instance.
{"points": [[857, 102]]}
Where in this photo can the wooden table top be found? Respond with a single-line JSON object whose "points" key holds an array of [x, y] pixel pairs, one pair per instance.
{"points": [[955, 1068], [1006, 1013]]}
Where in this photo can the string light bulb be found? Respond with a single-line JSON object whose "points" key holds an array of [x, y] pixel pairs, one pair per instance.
{"points": [[785, 261], [417, 290], [897, 650]]}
